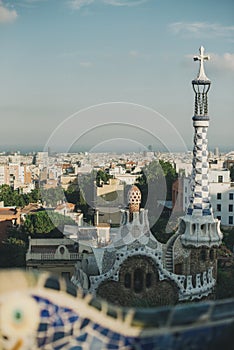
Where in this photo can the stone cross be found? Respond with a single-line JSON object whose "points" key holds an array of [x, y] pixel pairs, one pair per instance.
{"points": [[202, 57]]}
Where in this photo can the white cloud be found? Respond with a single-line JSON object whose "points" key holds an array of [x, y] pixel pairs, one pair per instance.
{"points": [[223, 62], [202, 29], [77, 4], [7, 14]]}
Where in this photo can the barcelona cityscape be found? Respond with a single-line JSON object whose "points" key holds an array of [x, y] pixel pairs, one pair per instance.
{"points": [[116, 175]]}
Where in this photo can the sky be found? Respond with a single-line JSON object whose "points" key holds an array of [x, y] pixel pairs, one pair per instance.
{"points": [[80, 71]]}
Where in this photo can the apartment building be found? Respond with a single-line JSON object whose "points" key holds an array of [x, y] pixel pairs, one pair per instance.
{"points": [[221, 191]]}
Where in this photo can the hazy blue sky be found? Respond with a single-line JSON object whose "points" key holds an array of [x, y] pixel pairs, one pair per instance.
{"points": [[60, 56]]}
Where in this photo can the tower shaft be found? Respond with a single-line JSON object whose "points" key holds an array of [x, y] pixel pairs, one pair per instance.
{"points": [[200, 200]]}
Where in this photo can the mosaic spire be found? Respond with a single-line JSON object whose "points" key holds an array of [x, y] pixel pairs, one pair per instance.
{"points": [[199, 209], [200, 201], [134, 199]]}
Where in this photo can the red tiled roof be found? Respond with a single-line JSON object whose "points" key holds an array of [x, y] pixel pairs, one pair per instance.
{"points": [[8, 211], [31, 207], [69, 206]]}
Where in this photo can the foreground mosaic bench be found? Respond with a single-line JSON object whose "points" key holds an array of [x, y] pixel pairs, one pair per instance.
{"points": [[40, 311]]}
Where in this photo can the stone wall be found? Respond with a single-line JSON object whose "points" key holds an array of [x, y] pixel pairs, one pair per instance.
{"points": [[203, 258], [194, 260], [139, 285]]}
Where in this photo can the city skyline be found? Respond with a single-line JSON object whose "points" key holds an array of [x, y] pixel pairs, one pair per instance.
{"points": [[61, 57]]}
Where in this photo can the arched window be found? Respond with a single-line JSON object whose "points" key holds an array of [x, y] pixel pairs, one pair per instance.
{"points": [[203, 255], [130, 217], [194, 280], [203, 228], [148, 280], [127, 280], [212, 254], [193, 228], [138, 280], [61, 250]]}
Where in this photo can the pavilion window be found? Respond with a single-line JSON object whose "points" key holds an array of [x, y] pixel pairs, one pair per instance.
{"points": [[138, 280]]}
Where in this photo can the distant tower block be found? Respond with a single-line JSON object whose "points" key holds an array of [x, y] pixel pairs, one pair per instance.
{"points": [[216, 152], [134, 199]]}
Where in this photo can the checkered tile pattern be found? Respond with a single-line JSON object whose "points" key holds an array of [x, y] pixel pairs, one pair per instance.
{"points": [[200, 200], [63, 328]]}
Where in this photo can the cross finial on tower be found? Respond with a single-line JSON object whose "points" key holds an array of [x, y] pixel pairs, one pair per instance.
{"points": [[202, 57]]}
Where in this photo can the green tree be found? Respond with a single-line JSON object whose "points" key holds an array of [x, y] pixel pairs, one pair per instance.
{"points": [[225, 283], [12, 255], [228, 237], [13, 197], [34, 196], [102, 177], [156, 184], [7, 195], [17, 235], [232, 173], [155, 172], [52, 196], [159, 230], [13, 249], [72, 193], [16, 241], [38, 223], [151, 173], [81, 193], [170, 174], [86, 201], [44, 223]]}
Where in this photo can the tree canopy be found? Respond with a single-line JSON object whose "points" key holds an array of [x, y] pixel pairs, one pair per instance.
{"points": [[155, 185], [52, 196], [102, 177], [232, 173], [156, 174], [16, 198], [43, 222]]}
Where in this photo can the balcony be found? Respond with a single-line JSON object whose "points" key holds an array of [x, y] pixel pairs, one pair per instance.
{"points": [[53, 256]]}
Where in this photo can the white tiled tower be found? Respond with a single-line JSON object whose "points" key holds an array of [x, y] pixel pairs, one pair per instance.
{"points": [[199, 226]]}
